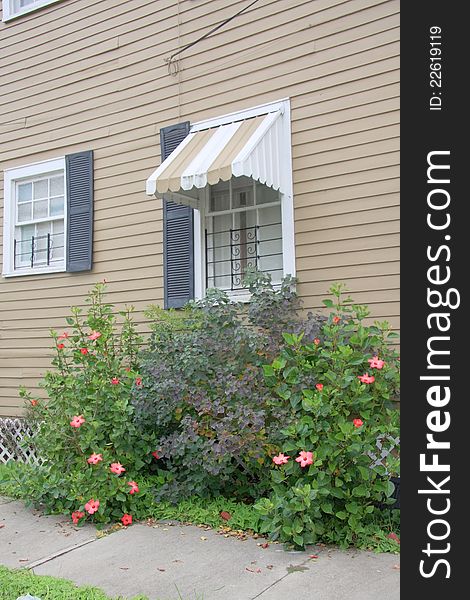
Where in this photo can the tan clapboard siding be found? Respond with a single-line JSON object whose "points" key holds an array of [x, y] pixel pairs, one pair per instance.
{"points": [[82, 74]]}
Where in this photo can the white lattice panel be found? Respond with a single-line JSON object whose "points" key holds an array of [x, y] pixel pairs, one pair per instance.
{"points": [[13, 442]]}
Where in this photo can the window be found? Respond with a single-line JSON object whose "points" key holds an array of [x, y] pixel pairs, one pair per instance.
{"points": [[228, 201], [39, 221], [16, 8], [243, 229], [48, 216]]}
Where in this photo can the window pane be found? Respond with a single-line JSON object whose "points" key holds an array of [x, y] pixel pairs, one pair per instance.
{"points": [[25, 192], [40, 189], [265, 194], [40, 209], [57, 240], [242, 198], [270, 245], [218, 262], [23, 245], [24, 212], [40, 250], [220, 197], [57, 206], [57, 186]]}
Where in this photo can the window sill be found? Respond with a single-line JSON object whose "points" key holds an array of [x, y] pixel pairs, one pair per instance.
{"points": [[37, 271], [8, 16]]}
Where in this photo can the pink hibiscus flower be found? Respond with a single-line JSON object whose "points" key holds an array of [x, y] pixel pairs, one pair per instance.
{"points": [[138, 381], [358, 422], [92, 506], [115, 380], [305, 458], [280, 459], [319, 386], [126, 519], [77, 515], [316, 341], [94, 459], [84, 351], [155, 454], [134, 487], [376, 363], [77, 421], [336, 320], [60, 346], [94, 335], [117, 468], [366, 378], [64, 336]]}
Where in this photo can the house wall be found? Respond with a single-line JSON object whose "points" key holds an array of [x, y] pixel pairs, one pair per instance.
{"points": [[82, 75]]}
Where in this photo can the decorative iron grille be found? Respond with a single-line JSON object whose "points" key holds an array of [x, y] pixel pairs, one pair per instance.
{"points": [[31, 251], [246, 250]]}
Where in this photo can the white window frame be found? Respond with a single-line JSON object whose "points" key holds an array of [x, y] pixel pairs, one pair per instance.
{"points": [[10, 13], [287, 204], [11, 177]]}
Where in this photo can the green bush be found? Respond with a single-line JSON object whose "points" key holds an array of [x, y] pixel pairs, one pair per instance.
{"points": [[90, 446], [205, 395], [340, 391]]}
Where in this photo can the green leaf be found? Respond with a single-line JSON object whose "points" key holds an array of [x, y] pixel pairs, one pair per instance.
{"points": [[279, 363], [360, 491], [268, 371], [365, 472], [352, 507], [342, 515], [327, 508]]}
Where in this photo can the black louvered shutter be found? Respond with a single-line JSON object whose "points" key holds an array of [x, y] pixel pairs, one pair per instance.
{"points": [[79, 177], [178, 233]]}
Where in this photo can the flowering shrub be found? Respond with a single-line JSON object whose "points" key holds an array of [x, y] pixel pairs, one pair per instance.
{"points": [[93, 453], [205, 396], [324, 485]]}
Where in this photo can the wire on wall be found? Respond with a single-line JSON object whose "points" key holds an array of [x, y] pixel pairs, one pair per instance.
{"points": [[173, 67]]}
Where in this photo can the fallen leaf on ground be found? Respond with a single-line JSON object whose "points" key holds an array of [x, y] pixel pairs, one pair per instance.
{"points": [[393, 536], [124, 568], [265, 545], [396, 567], [313, 556], [270, 567], [203, 538], [225, 515], [158, 569], [253, 570]]}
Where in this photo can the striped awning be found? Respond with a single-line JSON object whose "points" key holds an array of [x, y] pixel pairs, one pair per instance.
{"points": [[251, 147]]}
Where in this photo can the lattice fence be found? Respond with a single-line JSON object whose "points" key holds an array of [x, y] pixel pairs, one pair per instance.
{"points": [[13, 441], [386, 445]]}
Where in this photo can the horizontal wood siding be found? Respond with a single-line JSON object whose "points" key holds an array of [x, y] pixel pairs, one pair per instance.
{"points": [[85, 75]]}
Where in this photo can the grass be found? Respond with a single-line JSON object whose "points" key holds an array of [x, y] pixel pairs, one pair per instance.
{"points": [[15, 583]]}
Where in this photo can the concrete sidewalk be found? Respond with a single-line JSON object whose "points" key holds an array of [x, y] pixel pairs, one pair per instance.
{"points": [[172, 561]]}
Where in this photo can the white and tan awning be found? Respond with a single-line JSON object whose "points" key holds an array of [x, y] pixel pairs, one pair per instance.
{"points": [[252, 147]]}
